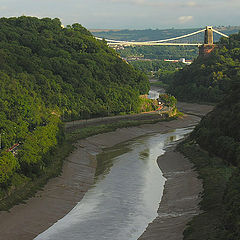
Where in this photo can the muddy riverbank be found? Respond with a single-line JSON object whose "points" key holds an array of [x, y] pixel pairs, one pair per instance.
{"points": [[61, 194], [180, 198]]}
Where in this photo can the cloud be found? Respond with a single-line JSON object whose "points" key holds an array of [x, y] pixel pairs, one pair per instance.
{"points": [[185, 19], [148, 3], [3, 8], [191, 4]]}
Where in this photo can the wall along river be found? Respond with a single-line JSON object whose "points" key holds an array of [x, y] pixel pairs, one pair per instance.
{"points": [[126, 194]]}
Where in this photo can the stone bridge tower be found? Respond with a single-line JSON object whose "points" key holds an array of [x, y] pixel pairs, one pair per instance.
{"points": [[208, 45], [208, 39]]}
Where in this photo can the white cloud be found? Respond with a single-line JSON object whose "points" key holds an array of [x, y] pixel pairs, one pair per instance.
{"points": [[191, 4], [3, 8], [149, 3], [185, 19]]}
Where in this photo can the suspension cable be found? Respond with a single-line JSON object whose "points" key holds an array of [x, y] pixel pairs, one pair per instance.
{"points": [[159, 42], [224, 35]]}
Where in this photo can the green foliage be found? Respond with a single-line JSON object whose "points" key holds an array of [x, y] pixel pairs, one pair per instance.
{"points": [[147, 105], [168, 100], [219, 131], [209, 78], [8, 165], [67, 67], [159, 52], [113, 125], [33, 153], [48, 72], [159, 69], [232, 208], [215, 175], [166, 76], [219, 134], [156, 65], [23, 187]]}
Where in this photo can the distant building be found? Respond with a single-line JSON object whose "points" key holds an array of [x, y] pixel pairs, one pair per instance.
{"points": [[182, 60], [170, 60]]}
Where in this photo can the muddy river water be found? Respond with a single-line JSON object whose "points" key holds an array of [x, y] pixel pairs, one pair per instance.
{"points": [[125, 196]]}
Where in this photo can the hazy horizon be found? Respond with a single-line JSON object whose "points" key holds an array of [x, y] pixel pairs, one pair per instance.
{"points": [[137, 29], [129, 14]]}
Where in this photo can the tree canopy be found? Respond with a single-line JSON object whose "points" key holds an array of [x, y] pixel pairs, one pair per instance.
{"points": [[48, 73], [209, 78], [219, 132]]}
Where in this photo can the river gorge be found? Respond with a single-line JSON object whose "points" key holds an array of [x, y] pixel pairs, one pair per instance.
{"points": [[125, 196], [122, 200]]}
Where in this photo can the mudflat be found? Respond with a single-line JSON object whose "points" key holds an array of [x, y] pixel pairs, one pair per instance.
{"points": [[61, 194], [180, 198]]}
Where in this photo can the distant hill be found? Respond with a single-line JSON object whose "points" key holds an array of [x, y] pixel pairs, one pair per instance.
{"points": [[159, 52], [219, 135], [103, 30], [214, 145], [157, 34], [209, 79], [214, 148], [47, 74], [219, 73]]}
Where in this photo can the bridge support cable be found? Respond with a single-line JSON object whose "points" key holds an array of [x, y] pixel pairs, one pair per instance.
{"points": [[176, 38], [222, 34], [155, 44], [161, 42], [112, 42], [109, 40]]}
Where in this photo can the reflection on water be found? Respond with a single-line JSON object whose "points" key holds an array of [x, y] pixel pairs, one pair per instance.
{"points": [[153, 94], [105, 159], [125, 196]]}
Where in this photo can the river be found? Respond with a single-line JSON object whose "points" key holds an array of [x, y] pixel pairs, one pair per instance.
{"points": [[155, 91], [125, 196]]}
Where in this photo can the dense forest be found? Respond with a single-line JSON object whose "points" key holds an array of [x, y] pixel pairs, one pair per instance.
{"points": [[158, 70], [156, 66], [218, 135], [219, 131], [219, 165], [209, 78], [49, 73], [159, 52]]}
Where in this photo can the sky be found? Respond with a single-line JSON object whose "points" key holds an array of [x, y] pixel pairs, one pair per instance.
{"points": [[129, 14]]}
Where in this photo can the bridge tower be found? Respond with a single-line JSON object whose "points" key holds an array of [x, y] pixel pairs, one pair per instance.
{"points": [[208, 39], [208, 45]]}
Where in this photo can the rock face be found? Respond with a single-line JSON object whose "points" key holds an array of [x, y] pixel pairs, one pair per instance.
{"points": [[208, 45], [205, 49]]}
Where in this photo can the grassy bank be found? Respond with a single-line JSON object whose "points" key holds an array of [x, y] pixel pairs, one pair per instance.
{"points": [[24, 188], [215, 175], [85, 132]]}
